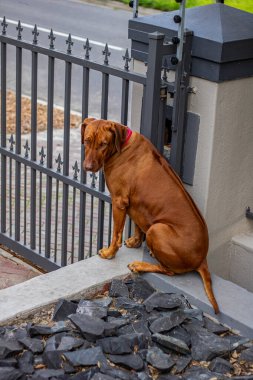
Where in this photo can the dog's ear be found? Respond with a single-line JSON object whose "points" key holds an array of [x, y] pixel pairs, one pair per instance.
{"points": [[84, 125], [120, 135]]}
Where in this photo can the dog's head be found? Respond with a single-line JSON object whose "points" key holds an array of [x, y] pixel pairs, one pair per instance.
{"points": [[101, 138]]}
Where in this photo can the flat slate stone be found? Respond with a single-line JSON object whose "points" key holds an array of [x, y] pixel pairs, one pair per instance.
{"points": [[64, 308], [47, 374], [247, 355], [9, 347], [25, 362], [221, 365], [53, 341], [115, 345], [196, 373], [135, 327], [102, 376], [9, 362], [32, 344], [87, 357], [141, 289], [167, 323], [159, 360], [53, 359], [128, 304], [103, 301], [85, 375], [118, 373], [69, 343], [114, 313], [194, 314], [171, 343], [181, 362], [9, 373], [123, 344], [131, 361], [120, 322], [58, 327], [213, 327], [118, 289], [162, 301], [90, 327], [92, 309], [179, 332], [206, 346]]}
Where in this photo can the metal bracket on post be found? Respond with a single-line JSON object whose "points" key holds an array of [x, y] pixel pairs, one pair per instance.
{"points": [[249, 213], [182, 74], [161, 122]]}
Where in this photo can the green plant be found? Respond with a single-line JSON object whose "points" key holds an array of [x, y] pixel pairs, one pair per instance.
{"points": [[169, 5]]}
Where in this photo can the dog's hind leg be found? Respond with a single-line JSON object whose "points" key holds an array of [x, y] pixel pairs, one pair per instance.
{"points": [[136, 240], [140, 266]]}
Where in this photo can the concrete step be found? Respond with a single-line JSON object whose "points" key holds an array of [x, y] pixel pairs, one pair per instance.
{"points": [[241, 261], [235, 302]]}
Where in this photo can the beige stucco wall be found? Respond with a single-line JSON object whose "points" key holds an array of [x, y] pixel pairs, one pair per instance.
{"points": [[223, 184]]}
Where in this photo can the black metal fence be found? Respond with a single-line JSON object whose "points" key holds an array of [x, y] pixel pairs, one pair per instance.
{"points": [[52, 212]]}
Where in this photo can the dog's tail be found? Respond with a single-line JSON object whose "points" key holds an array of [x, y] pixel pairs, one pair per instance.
{"points": [[206, 278]]}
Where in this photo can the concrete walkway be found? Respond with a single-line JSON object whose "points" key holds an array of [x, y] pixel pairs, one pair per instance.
{"points": [[14, 271]]}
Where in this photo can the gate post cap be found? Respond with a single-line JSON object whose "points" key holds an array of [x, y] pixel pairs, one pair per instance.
{"points": [[156, 36]]}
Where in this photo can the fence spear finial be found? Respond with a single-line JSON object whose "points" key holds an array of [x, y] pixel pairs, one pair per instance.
{"points": [[93, 180], [70, 43], [42, 155], [107, 54], [51, 37], [87, 49], [4, 25], [127, 59], [19, 29], [27, 148], [12, 142], [59, 163], [35, 35], [76, 170]]}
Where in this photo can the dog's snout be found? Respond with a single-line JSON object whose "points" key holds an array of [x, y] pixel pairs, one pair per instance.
{"points": [[88, 167]]}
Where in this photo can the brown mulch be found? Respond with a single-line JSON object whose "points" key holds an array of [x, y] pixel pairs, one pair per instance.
{"points": [[58, 117]]}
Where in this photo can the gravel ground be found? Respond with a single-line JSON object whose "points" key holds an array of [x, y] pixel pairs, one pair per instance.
{"points": [[136, 304], [75, 120]]}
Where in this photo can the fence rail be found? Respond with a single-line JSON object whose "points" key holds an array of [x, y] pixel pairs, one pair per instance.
{"points": [[52, 211]]}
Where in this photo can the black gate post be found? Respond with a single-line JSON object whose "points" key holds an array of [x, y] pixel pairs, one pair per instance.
{"points": [[151, 100], [180, 105]]}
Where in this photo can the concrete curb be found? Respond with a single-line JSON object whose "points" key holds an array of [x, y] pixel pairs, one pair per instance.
{"points": [[87, 277], [82, 278]]}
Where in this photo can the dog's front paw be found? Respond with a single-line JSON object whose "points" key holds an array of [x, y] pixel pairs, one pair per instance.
{"points": [[135, 266], [107, 253], [133, 242]]}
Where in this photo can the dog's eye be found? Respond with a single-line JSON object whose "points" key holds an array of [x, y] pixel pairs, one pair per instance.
{"points": [[86, 142], [103, 144]]}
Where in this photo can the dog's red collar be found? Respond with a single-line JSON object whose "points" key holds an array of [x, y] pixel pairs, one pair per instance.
{"points": [[129, 134]]}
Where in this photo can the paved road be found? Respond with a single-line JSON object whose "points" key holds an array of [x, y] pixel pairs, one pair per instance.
{"points": [[99, 23]]}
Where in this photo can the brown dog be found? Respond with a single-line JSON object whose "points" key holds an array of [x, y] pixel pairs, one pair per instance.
{"points": [[143, 185]]}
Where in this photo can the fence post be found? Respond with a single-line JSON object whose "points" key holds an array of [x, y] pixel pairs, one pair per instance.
{"points": [[180, 105], [151, 100], [3, 135]]}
